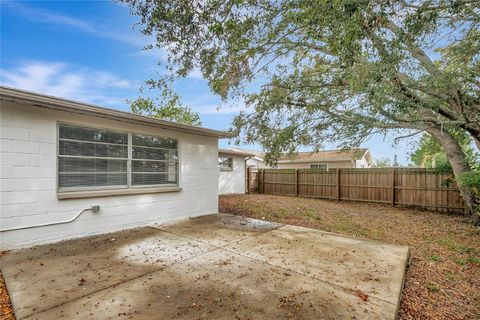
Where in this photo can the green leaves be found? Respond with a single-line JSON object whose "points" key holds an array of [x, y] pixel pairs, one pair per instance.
{"points": [[170, 109], [329, 71]]}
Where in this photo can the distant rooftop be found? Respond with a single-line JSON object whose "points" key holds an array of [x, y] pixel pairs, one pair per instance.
{"points": [[327, 155]]}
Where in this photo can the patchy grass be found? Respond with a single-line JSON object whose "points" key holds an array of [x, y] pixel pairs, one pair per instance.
{"points": [[443, 278]]}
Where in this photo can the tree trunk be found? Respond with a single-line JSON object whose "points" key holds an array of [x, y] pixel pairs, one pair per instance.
{"points": [[457, 160]]}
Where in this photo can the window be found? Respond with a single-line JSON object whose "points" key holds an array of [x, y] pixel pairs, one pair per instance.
{"points": [[322, 166], [102, 159], [225, 163], [154, 160]]}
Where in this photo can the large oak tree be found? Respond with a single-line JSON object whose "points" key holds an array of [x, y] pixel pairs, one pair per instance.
{"points": [[331, 70]]}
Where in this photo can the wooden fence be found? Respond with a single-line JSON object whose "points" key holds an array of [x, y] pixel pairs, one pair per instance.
{"points": [[422, 188]]}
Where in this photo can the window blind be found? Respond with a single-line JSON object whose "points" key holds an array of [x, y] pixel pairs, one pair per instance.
{"points": [[91, 158], [154, 160]]}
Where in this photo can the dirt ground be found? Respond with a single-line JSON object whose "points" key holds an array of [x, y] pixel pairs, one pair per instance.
{"points": [[443, 278]]}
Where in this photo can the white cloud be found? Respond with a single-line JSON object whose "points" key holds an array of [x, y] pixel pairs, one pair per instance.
{"points": [[95, 28], [71, 82]]}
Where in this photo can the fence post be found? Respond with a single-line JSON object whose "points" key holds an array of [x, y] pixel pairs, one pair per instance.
{"points": [[263, 181], [296, 182], [248, 179], [338, 184], [393, 187]]}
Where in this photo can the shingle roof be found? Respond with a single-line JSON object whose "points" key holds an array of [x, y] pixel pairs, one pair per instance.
{"points": [[328, 155]]}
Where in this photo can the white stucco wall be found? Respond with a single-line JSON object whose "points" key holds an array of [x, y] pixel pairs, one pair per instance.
{"points": [[233, 181], [28, 144], [361, 163], [257, 164]]}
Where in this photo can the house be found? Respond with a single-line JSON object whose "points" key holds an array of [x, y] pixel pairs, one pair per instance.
{"points": [[72, 169], [351, 158], [330, 159], [232, 164], [256, 161]]}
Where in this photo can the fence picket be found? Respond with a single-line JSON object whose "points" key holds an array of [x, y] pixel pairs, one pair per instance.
{"points": [[423, 188]]}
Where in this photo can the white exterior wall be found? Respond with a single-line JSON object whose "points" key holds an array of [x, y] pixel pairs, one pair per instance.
{"points": [[233, 181], [28, 180], [362, 163], [256, 163]]}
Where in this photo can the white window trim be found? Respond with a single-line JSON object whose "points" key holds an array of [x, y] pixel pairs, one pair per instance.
{"points": [[310, 165], [100, 191]]}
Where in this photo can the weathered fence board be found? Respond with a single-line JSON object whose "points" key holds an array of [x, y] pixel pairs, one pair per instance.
{"points": [[423, 188]]}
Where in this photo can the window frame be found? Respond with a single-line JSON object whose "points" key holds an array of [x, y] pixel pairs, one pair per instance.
{"points": [[223, 168], [113, 188], [130, 159], [317, 164]]}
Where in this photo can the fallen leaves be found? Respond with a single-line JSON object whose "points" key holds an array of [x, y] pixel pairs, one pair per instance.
{"points": [[82, 282], [362, 295], [6, 310]]}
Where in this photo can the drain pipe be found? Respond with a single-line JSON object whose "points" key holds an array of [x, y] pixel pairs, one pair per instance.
{"points": [[94, 209]]}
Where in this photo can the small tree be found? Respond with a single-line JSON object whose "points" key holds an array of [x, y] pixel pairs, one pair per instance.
{"points": [[172, 110], [383, 162]]}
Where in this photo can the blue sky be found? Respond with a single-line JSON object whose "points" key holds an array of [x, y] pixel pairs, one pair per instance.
{"points": [[88, 51]]}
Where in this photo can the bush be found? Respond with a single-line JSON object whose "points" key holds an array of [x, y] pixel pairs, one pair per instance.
{"points": [[471, 181]]}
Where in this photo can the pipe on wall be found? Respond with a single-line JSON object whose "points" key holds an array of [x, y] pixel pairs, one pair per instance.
{"points": [[94, 209]]}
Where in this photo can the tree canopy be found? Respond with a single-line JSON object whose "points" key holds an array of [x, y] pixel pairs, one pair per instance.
{"points": [[332, 70], [170, 109]]}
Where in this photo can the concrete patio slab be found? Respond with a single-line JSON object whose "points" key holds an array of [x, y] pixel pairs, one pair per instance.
{"points": [[369, 266], [45, 276], [221, 285], [212, 267], [219, 229]]}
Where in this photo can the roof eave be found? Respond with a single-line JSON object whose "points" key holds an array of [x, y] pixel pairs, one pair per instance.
{"points": [[50, 102], [234, 153]]}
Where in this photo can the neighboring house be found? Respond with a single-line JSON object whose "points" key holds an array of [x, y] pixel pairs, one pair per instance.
{"points": [[61, 159], [352, 158], [232, 166], [255, 161]]}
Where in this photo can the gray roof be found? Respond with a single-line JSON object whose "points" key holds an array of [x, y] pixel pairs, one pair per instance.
{"points": [[50, 102], [234, 152]]}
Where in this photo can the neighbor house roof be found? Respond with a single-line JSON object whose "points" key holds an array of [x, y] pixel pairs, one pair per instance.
{"points": [[234, 152], [50, 102], [325, 156], [252, 153]]}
